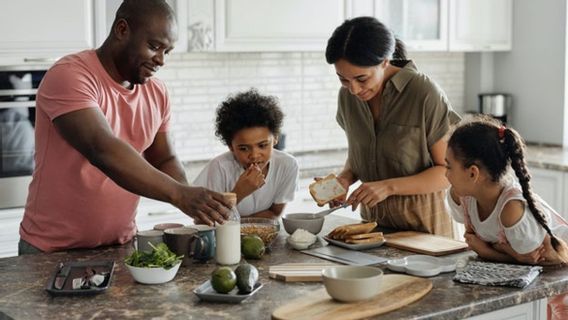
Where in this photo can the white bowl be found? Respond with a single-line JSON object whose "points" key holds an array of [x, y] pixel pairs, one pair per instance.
{"points": [[299, 245], [153, 275], [352, 283], [422, 265]]}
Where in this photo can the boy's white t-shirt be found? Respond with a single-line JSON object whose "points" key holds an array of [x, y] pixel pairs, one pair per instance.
{"points": [[222, 172], [524, 236]]}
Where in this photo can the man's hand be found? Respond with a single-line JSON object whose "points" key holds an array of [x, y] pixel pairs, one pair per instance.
{"points": [[204, 205], [250, 181]]}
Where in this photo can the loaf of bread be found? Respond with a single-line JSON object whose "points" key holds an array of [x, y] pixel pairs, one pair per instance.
{"points": [[327, 189], [348, 230]]}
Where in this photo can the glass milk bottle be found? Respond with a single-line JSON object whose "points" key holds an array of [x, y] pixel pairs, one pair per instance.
{"points": [[228, 235]]}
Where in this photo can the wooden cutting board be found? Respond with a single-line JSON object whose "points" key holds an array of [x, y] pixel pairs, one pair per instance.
{"points": [[396, 292], [424, 243], [290, 272]]}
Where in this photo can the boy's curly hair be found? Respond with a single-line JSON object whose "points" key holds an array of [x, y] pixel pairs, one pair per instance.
{"points": [[247, 109]]}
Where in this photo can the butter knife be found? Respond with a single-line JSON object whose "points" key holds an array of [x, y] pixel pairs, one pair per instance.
{"points": [[61, 276]]}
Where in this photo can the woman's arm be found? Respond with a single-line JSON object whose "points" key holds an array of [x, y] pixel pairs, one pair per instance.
{"points": [[430, 180], [273, 212], [485, 250]]}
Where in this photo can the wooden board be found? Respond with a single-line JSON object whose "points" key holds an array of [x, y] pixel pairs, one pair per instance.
{"points": [[424, 243], [396, 292], [290, 272]]}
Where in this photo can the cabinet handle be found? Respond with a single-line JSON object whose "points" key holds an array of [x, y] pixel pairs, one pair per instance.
{"points": [[163, 213], [41, 60]]}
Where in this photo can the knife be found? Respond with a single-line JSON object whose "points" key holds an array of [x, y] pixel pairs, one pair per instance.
{"points": [[61, 276]]}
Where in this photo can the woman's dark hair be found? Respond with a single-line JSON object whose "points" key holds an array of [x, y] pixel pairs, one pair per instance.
{"points": [[365, 42], [486, 143], [247, 109]]}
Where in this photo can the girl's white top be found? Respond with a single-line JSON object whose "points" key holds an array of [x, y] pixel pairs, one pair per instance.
{"points": [[524, 236]]}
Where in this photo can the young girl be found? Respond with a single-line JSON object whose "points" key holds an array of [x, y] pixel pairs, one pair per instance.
{"points": [[264, 179], [504, 221]]}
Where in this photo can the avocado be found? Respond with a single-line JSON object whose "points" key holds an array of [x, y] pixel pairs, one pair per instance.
{"points": [[223, 279], [252, 247], [247, 276]]}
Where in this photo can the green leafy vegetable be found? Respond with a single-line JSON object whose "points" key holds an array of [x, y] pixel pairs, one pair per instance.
{"points": [[160, 257]]}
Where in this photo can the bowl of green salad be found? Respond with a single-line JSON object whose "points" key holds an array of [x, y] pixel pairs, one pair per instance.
{"points": [[159, 266]]}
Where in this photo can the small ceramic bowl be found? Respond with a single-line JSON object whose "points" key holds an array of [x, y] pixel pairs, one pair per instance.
{"points": [[153, 275], [299, 245], [306, 221], [266, 229], [352, 283]]}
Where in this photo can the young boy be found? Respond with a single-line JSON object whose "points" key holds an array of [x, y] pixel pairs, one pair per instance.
{"points": [[264, 179]]}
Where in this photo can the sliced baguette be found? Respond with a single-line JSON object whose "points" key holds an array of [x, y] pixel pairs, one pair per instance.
{"points": [[342, 232], [366, 240], [326, 189], [364, 236]]}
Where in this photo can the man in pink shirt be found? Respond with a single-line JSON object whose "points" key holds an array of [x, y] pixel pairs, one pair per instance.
{"points": [[101, 140]]}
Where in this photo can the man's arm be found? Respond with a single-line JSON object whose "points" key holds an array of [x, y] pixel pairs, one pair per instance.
{"points": [[162, 157], [89, 133]]}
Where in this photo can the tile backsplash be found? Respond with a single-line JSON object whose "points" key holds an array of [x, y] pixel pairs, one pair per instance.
{"points": [[304, 83]]}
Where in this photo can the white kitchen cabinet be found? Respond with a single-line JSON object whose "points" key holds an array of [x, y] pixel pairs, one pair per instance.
{"points": [[276, 25], [421, 24], [480, 25], [534, 310], [37, 30], [105, 11], [10, 231], [550, 185]]}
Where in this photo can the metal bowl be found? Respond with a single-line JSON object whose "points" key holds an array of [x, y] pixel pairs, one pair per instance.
{"points": [[306, 221]]}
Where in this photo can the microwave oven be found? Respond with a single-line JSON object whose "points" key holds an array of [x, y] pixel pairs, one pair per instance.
{"points": [[18, 88]]}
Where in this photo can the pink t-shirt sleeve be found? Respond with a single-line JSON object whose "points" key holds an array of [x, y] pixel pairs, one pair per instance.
{"points": [[165, 126], [65, 89]]}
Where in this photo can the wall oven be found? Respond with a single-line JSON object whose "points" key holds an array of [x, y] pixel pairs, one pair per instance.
{"points": [[18, 88]]}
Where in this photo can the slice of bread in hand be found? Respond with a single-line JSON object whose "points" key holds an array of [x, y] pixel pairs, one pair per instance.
{"points": [[327, 189]]}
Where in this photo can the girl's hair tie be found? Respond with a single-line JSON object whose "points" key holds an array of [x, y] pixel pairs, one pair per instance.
{"points": [[501, 134]]}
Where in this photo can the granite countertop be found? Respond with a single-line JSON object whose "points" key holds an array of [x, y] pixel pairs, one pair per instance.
{"points": [[547, 157], [24, 278]]}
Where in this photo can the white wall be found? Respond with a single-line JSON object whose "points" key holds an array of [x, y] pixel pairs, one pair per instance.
{"points": [[533, 72], [304, 83]]}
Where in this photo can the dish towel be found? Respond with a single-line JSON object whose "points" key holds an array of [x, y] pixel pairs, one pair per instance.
{"points": [[497, 274]]}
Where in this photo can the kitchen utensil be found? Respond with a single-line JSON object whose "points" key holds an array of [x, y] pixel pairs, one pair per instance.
{"points": [[421, 265], [306, 221], [396, 292], [206, 292], [355, 246], [61, 276], [328, 211], [345, 256], [60, 283], [145, 237], [291, 272], [352, 283], [424, 243], [497, 105]]}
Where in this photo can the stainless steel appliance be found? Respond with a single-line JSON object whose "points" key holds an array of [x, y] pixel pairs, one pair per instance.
{"points": [[18, 88], [497, 105]]}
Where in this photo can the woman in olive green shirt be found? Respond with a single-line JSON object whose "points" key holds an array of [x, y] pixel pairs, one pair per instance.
{"points": [[396, 120]]}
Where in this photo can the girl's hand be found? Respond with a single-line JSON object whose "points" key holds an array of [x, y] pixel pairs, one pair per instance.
{"points": [[249, 181], [476, 244], [369, 194]]}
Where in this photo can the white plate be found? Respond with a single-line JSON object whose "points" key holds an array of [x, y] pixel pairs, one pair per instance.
{"points": [[422, 265], [355, 246]]}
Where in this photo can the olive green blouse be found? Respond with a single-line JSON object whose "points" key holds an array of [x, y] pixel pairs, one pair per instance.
{"points": [[415, 114]]}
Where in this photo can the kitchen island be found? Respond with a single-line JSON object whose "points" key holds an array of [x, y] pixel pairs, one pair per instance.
{"points": [[24, 278]]}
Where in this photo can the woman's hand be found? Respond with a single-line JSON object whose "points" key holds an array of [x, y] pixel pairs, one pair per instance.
{"points": [[369, 194], [249, 181]]}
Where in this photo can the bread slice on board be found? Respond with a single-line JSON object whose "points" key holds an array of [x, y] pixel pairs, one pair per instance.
{"points": [[327, 189]]}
